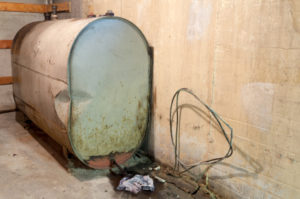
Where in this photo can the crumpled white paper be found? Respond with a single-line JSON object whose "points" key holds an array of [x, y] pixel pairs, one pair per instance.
{"points": [[136, 184]]}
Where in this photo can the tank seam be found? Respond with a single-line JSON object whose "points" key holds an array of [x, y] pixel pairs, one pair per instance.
{"points": [[48, 76]]}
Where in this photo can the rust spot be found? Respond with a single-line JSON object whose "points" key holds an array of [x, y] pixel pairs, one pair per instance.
{"points": [[196, 127], [105, 162]]}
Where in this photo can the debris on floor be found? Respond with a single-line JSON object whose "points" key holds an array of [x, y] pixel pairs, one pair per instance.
{"points": [[48, 158], [136, 184], [159, 179], [168, 183]]}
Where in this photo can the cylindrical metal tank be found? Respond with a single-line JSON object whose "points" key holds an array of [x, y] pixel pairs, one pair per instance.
{"points": [[86, 83]]}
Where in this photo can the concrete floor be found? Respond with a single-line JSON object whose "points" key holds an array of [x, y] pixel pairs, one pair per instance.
{"points": [[32, 166]]}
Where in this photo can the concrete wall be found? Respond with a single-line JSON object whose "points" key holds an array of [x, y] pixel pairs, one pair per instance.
{"points": [[10, 23], [76, 9], [243, 59]]}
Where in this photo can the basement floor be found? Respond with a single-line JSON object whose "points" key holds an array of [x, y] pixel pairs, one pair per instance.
{"points": [[32, 166]]}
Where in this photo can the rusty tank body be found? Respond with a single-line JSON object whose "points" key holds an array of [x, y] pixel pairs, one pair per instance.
{"points": [[86, 83]]}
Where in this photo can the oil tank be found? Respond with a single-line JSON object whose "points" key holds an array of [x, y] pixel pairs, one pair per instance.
{"points": [[86, 83]]}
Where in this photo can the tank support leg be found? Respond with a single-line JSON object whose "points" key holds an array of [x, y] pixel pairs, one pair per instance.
{"points": [[65, 152]]}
